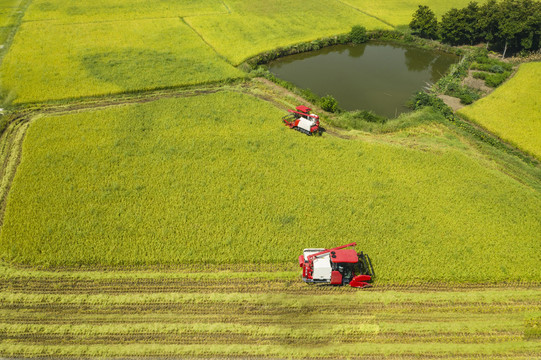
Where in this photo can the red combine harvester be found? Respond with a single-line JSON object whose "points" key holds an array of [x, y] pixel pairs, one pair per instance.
{"points": [[338, 266], [302, 120]]}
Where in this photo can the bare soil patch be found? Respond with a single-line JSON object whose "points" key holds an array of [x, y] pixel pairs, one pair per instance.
{"points": [[453, 102], [477, 84]]}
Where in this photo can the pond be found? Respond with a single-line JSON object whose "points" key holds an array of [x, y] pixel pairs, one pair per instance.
{"points": [[375, 76]]}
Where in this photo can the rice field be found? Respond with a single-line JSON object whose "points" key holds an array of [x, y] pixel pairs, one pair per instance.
{"points": [[190, 181], [50, 60], [229, 314], [8, 14], [168, 223], [254, 27], [102, 10], [513, 111], [399, 13]]}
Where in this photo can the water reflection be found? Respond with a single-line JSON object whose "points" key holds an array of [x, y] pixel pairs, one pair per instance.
{"points": [[356, 51], [417, 59], [373, 76]]}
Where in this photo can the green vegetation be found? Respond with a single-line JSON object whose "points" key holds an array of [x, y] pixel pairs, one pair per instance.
{"points": [[358, 35], [508, 24], [105, 58], [494, 73], [184, 182], [424, 23], [513, 111]]}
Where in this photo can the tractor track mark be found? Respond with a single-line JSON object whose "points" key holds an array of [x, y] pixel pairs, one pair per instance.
{"points": [[14, 136], [20, 10], [197, 337], [263, 309]]}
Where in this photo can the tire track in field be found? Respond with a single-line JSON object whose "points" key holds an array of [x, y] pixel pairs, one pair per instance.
{"points": [[20, 10], [12, 148]]}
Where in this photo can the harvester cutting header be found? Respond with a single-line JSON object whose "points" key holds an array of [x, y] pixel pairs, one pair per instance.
{"points": [[302, 120], [337, 266]]}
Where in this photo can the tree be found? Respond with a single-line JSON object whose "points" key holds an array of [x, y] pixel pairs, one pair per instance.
{"points": [[471, 18], [424, 23], [488, 21], [452, 27], [460, 26]]}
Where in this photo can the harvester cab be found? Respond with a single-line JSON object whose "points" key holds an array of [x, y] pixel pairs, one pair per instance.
{"points": [[302, 120], [337, 266]]}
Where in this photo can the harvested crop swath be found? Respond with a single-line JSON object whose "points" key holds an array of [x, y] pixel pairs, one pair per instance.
{"points": [[513, 111], [257, 26], [51, 60], [398, 13], [496, 322], [216, 179], [100, 10]]}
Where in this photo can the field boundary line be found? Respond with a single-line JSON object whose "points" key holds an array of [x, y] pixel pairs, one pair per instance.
{"points": [[182, 18], [367, 14], [227, 7], [61, 22], [21, 9]]}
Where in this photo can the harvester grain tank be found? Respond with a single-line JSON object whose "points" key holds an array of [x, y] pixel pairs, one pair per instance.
{"points": [[301, 119], [336, 266]]}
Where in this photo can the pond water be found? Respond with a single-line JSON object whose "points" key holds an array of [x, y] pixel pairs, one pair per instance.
{"points": [[380, 77]]}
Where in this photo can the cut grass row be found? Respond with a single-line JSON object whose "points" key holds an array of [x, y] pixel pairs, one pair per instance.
{"points": [[191, 181], [513, 111], [450, 323]]}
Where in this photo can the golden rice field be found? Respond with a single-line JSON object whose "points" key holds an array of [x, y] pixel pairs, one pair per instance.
{"points": [[513, 110], [216, 179]]}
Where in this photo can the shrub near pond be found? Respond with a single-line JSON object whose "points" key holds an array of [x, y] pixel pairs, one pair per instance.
{"points": [[358, 34], [329, 103], [492, 80]]}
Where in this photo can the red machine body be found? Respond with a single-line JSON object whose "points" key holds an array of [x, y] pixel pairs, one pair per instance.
{"points": [[336, 266], [302, 120]]}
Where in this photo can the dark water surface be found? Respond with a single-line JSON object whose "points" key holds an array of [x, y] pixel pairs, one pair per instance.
{"points": [[373, 76]]}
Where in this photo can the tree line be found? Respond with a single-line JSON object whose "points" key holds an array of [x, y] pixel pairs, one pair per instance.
{"points": [[506, 26]]}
